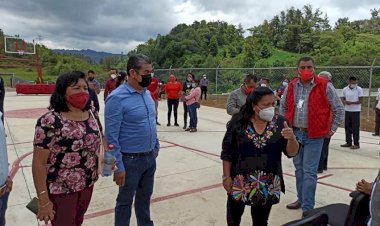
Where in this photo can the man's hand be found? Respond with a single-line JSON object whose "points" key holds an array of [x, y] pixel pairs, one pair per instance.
{"points": [[119, 178], [364, 186], [330, 134], [7, 187]]}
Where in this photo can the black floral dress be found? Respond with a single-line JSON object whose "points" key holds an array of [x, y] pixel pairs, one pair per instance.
{"points": [[74, 145], [256, 162]]}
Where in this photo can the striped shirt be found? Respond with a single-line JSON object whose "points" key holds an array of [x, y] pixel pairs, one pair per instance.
{"points": [[302, 93]]}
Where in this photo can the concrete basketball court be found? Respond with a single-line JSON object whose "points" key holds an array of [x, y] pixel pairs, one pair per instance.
{"points": [[188, 187]]}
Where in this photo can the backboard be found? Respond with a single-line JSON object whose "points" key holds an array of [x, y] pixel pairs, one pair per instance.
{"points": [[18, 46]]}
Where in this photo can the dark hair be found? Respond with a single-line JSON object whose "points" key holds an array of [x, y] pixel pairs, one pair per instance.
{"points": [[192, 75], [120, 78], [114, 69], [136, 61], [242, 118], [250, 77], [353, 78], [57, 99], [265, 79], [91, 71], [304, 59]]}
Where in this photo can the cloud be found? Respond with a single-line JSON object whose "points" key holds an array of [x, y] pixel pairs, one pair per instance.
{"points": [[115, 26]]}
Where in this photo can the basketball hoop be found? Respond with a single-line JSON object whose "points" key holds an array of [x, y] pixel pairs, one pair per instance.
{"points": [[20, 52]]}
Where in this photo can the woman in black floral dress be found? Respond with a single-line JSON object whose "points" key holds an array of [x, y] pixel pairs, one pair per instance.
{"points": [[65, 162], [252, 147]]}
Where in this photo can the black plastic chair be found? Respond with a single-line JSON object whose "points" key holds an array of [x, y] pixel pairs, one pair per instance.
{"points": [[319, 218], [355, 214]]}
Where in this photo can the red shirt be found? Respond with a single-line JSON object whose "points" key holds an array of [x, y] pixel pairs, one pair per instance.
{"points": [[172, 90], [153, 88], [110, 85]]}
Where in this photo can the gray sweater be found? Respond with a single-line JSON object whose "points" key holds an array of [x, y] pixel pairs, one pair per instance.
{"points": [[236, 100]]}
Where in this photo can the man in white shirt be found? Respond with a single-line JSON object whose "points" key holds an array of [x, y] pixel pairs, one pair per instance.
{"points": [[352, 99], [377, 114]]}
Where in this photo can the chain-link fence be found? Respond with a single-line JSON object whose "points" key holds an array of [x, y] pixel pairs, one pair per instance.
{"points": [[224, 80]]}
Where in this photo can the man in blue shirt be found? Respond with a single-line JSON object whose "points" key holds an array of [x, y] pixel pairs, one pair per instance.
{"points": [[130, 122]]}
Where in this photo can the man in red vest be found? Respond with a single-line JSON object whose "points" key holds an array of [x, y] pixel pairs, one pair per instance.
{"points": [[308, 103]]}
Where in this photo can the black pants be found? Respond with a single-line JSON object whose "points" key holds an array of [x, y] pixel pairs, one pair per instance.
{"points": [[352, 127], [173, 105], [377, 120], [204, 91], [324, 155], [185, 111], [259, 213]]}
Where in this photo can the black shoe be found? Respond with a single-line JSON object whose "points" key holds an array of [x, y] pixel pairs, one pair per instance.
{"points": [[320, 171], [176, 124], [346, 145], [184, 126], [295, 205], [306, 213], [157, 123], [375, 134], [168, 124]]}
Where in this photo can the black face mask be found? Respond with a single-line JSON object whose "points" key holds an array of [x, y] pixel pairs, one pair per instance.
{"points": [[91, 79], [146, 79]]}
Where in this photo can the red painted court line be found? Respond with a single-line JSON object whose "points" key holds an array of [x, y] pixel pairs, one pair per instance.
{"points": [[193, 149], [335, 186], [169, 146], [17, 164], [158, 199], [354, 168], [25, 142], [325, 176]]}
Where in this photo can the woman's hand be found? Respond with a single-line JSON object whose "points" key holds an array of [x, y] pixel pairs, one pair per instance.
{"points": [[287, 132], [364, 186], [45, 211], [227, 184]]}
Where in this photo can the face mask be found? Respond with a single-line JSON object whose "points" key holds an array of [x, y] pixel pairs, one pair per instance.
{"points": [[306, 75], [113, 76], [353, 86], [78, 100], [263, 85], [145, 81], [172, 79], [91, 79], [204, 77], [267, 114], [285, 84], [249, 90]]}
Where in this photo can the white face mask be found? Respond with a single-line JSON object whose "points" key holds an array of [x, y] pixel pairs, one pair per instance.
{"points": [[267, 114], [285, 84], [353, 86], [263, 85], [113, 76]]}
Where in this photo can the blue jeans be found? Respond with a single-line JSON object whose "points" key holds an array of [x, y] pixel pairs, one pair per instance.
{"points": [[139, 180], [3, 207], [193, 115], [306, 163]]}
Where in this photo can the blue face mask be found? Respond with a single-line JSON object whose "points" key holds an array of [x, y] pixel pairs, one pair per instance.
{"points": [[285, 84]]}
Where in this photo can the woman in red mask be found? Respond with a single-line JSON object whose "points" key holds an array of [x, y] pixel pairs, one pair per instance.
{"points": [[65, 161], [173, 90]]}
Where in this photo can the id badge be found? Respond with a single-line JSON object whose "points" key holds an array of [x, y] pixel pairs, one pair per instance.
{"points": [[300, 104]]}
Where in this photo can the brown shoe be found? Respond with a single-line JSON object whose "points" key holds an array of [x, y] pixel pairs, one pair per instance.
{"points": [[295, 205], [346, 145], [193, 130], [188, 129], [355, 147]]}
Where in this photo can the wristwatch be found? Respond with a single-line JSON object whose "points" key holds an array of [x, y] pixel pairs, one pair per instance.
{"points": [[225, 177]]}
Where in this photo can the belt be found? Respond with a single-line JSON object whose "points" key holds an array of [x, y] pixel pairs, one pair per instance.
{"points": [[300, 129], [140, 154]]}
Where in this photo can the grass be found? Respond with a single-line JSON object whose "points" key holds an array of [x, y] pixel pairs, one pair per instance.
{"points": [[22, 73]]}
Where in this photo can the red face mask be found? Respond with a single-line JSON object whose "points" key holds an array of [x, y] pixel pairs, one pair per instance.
{"points": [[172, 79], [306, 75], [249, 90], [78, 100]]}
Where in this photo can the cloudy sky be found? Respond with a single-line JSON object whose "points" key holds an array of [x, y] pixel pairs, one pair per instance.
{"points": [[119, 26]]}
